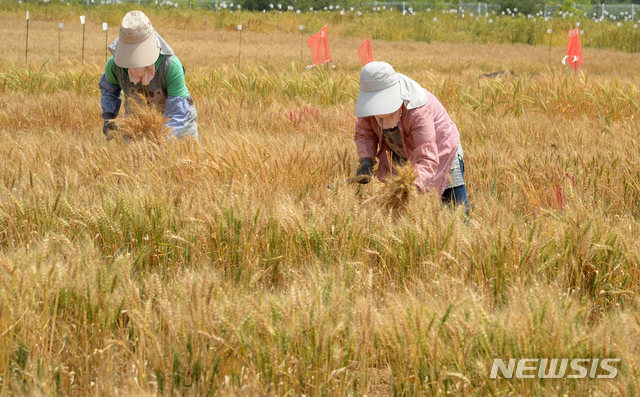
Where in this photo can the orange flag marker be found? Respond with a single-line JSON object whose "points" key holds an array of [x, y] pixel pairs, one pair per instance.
{"points": [[574, 51], [319, 46], [365, 53]]}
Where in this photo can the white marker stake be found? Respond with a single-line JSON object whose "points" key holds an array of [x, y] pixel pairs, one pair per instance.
{"points": [[240, 46], [435, 21], [549, 33], [301, 42], [60, 26], [105, 27], [83, 25], [26, 46]]}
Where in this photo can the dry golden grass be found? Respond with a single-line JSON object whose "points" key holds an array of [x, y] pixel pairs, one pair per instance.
{"points": [[144, 122], [399, 190], [276, 51], [228, 268]]}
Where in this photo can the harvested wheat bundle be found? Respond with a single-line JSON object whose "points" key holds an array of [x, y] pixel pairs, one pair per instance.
{"points": [[399, 190], [145, 122]]}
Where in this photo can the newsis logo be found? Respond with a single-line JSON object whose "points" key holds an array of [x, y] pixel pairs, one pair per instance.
{"points": [[544, 368]]}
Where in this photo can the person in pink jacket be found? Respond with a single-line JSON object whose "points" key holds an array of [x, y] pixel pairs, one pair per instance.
{"points": [[398, 120]]}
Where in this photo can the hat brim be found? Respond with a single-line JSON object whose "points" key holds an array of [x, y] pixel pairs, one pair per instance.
{"points": [[138, 55], [377, 103]]}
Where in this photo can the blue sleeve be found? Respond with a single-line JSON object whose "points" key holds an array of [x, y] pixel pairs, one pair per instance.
{"points": [[177, 110], [109, 99]]}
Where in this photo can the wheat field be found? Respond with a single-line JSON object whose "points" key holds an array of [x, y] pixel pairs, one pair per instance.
{"points": [[227, 267]]}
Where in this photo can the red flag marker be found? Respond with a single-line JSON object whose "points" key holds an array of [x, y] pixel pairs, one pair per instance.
{"points": [[319, 46], [574, 51], [365, 53]]}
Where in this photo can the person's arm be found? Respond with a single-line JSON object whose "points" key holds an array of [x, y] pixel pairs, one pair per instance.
{"points": [[366, 139], [425, 157], [177, 107], [367, 145], [110, 100]]}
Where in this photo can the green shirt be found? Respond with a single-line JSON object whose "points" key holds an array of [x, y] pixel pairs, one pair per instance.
{"points": [[175, 78]]}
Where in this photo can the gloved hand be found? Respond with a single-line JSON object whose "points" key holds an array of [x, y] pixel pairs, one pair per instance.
{"points": [[108, 126], [365, 171]]}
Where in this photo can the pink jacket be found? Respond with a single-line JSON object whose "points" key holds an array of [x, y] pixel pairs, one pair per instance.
{"points": [[429, 137]]}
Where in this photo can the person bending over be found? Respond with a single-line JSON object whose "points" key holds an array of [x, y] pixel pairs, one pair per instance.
{"points": [[398, 120], [146, 69]]}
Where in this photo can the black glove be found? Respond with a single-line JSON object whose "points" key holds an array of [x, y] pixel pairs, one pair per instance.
{"points": [[109, 125], [365, 169]]}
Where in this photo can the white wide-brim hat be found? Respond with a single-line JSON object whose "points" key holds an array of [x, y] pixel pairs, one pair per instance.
{"points": [[379, 90], [137, 45]]}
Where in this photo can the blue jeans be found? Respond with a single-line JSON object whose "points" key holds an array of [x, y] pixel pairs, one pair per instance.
{"points": [[457, 195]]}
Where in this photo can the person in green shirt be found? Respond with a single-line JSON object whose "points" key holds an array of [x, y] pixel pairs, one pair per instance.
{"points": [[144, 66]]}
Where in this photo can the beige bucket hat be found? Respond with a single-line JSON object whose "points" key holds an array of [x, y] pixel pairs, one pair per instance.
{"points": [[137, 45]]}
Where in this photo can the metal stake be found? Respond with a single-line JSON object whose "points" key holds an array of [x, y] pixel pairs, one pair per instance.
{"points": [[59, 41], [240, 46], [82, 17], [549, 33], [105, 27], [26, 47], [301, 42], [83, 44]]}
